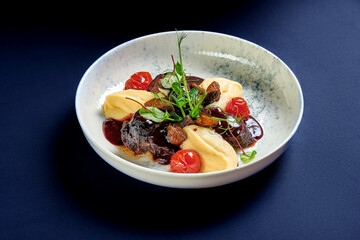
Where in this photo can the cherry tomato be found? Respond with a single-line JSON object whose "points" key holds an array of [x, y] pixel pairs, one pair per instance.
{"points": [[185, 161], [139, 81], [237, 107]]}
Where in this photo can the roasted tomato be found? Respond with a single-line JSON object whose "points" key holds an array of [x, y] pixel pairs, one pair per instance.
{"points": [[139, 81], [185, 161], [237, 107]]}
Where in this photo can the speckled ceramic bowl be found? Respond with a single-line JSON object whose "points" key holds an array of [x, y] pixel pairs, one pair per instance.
{"points": [[271, 89]]}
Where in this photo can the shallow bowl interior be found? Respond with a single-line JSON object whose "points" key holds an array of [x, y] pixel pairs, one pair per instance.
{"points": [[271, 89]]}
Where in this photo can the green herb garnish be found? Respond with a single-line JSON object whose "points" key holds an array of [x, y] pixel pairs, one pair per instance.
{"points": [[247, 156], [169, 79], [188, 101], [155, 114]]}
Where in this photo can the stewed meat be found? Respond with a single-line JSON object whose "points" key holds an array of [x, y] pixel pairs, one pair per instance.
{"points": [[141, 135]]}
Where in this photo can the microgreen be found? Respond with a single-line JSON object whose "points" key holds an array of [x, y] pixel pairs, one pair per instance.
{"points": [[193, 93], [169, 79], [180, 70], [155, 114], [176, 87], [187, 101], [247, 156]]}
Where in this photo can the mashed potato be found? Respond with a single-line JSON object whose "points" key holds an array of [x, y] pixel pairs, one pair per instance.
{"points": [[215, 153], [116, 105]]}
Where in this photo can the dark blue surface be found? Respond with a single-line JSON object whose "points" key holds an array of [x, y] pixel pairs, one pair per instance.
{"points": [[53, 186]]}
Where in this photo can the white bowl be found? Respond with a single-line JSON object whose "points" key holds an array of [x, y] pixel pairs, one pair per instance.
{"points": [[271, 89]]}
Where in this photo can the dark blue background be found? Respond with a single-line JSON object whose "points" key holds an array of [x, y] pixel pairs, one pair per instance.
{"points": [[53, 186]]}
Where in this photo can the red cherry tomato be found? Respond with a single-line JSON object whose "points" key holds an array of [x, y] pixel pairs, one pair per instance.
{"points": [[237, 107], [185, 161], [139, 81]]}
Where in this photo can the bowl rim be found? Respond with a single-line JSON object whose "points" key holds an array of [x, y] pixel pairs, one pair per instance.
{"points": [[183, 175]]}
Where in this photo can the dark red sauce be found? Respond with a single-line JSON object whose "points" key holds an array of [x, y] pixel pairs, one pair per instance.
{"points": [[247, 132], [255, 128], [156, 143], [112, 131]]}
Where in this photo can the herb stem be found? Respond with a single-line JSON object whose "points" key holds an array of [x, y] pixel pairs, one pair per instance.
{"points": [[237, 141], [172, 57], [182, 112], [142, 105], [200, 102], [182, 69], [181, 108]]}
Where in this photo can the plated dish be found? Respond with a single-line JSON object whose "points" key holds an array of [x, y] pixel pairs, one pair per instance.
{"points": [[271, 91], [191, 124]]}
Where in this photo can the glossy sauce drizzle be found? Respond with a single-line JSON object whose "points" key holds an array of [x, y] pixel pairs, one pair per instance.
{"points": [[112, 131], [255, 128]]}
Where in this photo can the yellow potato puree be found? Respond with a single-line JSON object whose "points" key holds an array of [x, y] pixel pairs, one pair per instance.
{"points": [[117, 106], [228, 89], [215, 153]]}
